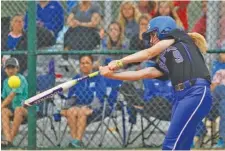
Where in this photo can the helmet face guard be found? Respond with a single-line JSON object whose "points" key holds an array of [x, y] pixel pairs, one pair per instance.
{"points": [[148, 35]]}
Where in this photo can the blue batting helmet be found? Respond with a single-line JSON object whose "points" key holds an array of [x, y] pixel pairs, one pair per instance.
{"points": [[162, 25]]}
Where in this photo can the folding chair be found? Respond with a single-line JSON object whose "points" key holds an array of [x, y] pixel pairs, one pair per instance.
{"points": [[102, 125], [152, 108], [110, 99]]}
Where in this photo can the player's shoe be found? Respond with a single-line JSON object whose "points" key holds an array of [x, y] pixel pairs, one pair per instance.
{"points": [[220, 144]]}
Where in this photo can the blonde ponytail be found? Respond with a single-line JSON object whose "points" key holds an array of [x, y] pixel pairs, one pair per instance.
{"points": [[199, 40]]}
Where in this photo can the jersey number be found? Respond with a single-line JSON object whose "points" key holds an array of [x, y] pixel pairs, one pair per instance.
{"points": [[178, 57]]}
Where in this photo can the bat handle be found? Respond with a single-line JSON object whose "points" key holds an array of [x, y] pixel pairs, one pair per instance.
{"points": [[93, 74]]}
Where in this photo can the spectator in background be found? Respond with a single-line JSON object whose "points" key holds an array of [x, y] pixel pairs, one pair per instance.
{"points": [[181, 9], [83, 22], [200, 25], [148, 7], [128, 18], [16, 36], [115, 39], [218, 88], [50, 15], [137, 42], [221, 40], [88, 98], [167, 9], [12, 102]]}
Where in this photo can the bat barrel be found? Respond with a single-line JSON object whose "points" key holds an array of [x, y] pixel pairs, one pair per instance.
{"points": [[49, 93]]}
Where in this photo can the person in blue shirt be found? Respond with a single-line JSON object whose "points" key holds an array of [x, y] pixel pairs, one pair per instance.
{"points": [[49, 15], [15, 34], [13, 38], [218, 89], [83, 24], [218, 64], [88, 97]]}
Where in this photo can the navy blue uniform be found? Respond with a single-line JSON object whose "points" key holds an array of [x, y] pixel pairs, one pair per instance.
{"points": [[186, 68]]}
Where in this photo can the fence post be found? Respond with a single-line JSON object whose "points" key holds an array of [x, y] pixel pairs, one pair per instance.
{"points": [[32, 73]]}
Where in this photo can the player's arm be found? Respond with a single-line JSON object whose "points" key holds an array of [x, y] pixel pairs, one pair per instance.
{"points": [[8, 99], [149, 53], [149, 72], [145, 54]]}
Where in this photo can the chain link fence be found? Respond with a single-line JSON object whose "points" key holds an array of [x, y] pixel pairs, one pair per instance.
{"points": [[118, 114]]}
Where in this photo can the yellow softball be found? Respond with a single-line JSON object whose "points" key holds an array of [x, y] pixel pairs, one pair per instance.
{"points": [[14, 82]]}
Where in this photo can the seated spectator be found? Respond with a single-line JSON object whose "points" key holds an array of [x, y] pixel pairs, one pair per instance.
{"points": [[15, 33], [50, 15], [49, 21], [148, 7], [221, 40], [128, 18], [12, 39], [115, 39], [88, 98], [167, 9], [83, 21], [181, 9], [11, 106], [200, 25], [137, 43], [218, 64], [218, 88]]}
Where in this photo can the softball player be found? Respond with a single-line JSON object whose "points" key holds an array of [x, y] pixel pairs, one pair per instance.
{"points": [[179, 58]]}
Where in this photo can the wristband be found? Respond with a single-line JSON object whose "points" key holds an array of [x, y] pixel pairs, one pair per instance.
{"points": [[119, 63]]}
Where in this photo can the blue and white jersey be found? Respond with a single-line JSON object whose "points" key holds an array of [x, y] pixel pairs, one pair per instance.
{"points": [[88, 89]]}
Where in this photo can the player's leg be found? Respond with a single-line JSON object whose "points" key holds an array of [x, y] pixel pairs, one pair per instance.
{"points": [[19, 115], [6, 115], [71, 116], [190, 110]]}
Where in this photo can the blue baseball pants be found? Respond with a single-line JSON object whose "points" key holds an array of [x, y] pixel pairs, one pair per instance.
{"points": [[191, 105]]}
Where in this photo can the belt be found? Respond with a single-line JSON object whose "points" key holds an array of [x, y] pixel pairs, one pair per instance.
{"points": [[190, 83]]}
